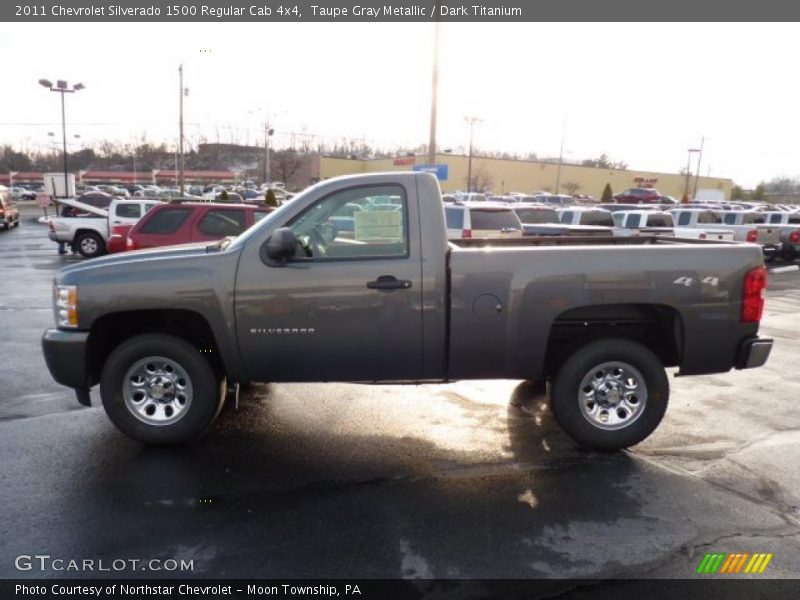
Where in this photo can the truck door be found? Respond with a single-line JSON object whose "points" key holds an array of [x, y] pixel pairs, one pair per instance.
{"points": [[347, 307]]}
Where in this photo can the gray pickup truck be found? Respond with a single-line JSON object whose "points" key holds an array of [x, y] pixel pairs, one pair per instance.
{"points": [[293, 299]]}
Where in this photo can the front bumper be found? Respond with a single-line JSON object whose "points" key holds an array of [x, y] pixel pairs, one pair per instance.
{"points": [[65, 353], [753, 353]]}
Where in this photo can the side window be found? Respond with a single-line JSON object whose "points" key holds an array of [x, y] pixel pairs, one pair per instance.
{"points": [[708, 217], [223, 222], [730, 219], [148, 206], [129, 211], [165, 221], [566, 217], [258, 215], [794, 219], [684, 218], [775, 218], [632, 222], [333, 229]]}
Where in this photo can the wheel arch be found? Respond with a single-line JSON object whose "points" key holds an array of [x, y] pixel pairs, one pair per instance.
{"points": [[658, 327], [110, 330]]}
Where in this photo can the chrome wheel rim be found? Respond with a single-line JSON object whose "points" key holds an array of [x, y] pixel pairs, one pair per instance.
{"points": [[612, 395], [89, 245], [157, 390]]}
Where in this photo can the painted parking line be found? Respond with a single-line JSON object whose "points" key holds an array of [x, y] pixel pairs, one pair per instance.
{"points": [[786, 269]]}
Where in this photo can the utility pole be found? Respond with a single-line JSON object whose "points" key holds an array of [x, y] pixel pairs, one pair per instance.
{"points": [[688, 172], [472, 121], [560, 156], [180, 127], [699, 158], [434, 89]]}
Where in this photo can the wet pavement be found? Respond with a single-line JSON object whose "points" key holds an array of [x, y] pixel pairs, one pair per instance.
{"points": [[466, 480]]}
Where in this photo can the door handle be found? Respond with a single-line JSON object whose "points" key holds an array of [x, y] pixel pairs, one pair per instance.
{"points": [[388, 282]]}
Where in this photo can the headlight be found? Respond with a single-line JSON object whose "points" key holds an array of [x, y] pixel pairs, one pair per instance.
{"points": [[66, 305]]}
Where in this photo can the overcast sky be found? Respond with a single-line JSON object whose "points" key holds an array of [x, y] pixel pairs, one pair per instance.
{"points": [[641, 93]]}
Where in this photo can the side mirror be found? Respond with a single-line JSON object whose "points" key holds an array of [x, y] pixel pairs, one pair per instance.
{"points": [[280, 245]]}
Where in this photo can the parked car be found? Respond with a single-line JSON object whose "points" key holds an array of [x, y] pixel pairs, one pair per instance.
{"points": [[555, 199], [186, 222], [9, 213], [639, 196], [657, 222], [21, 193], [541, 220], [581, 215], [481, 220], [89, 234], [789, 225], [745, 228], [163, 331]]}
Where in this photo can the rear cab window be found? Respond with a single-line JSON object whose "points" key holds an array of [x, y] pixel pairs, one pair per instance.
{"points": [[128, 211], [166, 221], [596, 218]]}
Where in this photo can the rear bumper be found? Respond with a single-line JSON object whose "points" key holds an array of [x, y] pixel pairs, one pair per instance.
{"points": [[65, 355], [771, 249], [753, 353]]}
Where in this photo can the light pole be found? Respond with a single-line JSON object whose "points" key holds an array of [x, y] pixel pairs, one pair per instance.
{"points": [[434, 89], [471, 121], [699, 158], [561, 155], [62, 87], [689, 172]]}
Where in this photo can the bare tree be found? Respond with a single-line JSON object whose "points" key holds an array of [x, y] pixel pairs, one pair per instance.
{"points": [[481, 179], [284, 164], [572, 187]]}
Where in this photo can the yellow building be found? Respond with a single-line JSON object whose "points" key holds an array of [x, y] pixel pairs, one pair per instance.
{"points": [[501, 175]]}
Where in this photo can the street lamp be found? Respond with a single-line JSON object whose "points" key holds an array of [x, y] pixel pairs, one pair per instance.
{"points": [[62, 87], [689, 171], [471, 121], [269, 131]]}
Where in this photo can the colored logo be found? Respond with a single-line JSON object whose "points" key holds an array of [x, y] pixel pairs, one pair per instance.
{"points": [[742, 562]]}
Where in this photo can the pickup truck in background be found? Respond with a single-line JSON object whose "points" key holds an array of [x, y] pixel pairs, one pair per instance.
{"points": [[89, 234], [541, 220], [746, 226], [789, 225], [580, 215], [163, 331], [661, 223]]}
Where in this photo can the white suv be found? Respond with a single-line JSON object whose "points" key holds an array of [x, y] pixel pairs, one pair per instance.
{"points": [[482, 220]]}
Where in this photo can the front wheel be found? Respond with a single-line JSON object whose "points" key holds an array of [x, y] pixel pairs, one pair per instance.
{"points": [[610, 394], [158, 389]]}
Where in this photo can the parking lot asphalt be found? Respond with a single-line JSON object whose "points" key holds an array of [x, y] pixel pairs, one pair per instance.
{"points": [[465, 480]]}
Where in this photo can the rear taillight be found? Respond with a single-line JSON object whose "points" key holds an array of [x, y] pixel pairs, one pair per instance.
{"points": [[755, 285], [794, 237], [752, 235], [702, 236], [118, 230], [466, 234], [130, 244]]}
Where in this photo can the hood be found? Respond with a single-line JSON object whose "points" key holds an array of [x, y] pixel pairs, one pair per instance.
{"points": [[138, 257]]}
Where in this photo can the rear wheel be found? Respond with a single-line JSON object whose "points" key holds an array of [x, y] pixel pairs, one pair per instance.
{"points": [[90, 244], [158, 389], [610, 394]]}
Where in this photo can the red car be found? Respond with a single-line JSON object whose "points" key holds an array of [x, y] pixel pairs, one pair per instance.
{"points": [[639, 196], [186, 222]]}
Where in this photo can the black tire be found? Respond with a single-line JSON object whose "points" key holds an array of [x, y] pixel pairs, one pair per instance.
{"points": [[204, 403], [571, 405], [90, 244]]}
